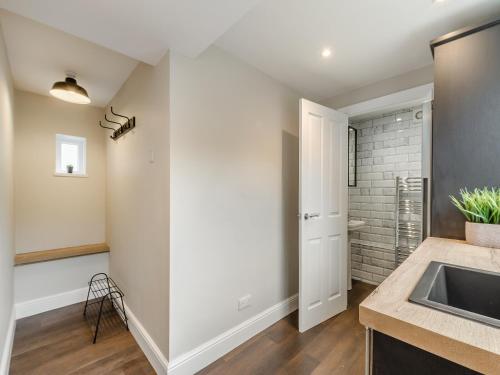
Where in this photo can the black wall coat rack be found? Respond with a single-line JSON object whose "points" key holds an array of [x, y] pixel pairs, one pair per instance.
{"points": [[123, 128]]}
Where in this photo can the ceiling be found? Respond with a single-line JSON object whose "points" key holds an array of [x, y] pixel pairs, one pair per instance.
{"points": [[370, 40], [40, 55], [103, 40], [141, 29]]}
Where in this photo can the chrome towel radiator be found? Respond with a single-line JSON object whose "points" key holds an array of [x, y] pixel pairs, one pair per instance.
{"points": [[411, 215]]}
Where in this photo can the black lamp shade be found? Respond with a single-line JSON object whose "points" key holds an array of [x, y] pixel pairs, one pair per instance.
{"points": [[69, 91]]}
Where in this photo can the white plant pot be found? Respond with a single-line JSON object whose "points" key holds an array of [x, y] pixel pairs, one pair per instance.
{"points": [[486, 235]]}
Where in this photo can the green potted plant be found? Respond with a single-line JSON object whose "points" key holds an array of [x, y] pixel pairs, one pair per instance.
{"points": [[481, 209], [69, 168]]}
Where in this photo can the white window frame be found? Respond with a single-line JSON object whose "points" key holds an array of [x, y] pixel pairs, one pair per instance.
{"points": [[81, 143]]}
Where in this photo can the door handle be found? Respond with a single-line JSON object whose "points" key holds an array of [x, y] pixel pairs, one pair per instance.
{"points": [[310, 216]]}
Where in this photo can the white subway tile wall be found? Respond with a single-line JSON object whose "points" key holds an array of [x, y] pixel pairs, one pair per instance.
{"points": [[388, 146]]}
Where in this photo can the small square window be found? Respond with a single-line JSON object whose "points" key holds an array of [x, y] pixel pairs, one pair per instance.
{"points": [[70, 155]]}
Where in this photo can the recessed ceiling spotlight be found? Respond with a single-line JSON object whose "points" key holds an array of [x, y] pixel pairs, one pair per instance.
{"points": [[69, 91], [327, 52], [438, 1]]}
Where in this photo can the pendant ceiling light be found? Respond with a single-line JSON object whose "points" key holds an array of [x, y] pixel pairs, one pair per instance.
{"points": [[69, 91]]}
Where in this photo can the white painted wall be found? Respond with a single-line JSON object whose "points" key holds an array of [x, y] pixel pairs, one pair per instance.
{"points": [[38, 280], [6, 204], [53, 212], [234, 198], [138, 199]]}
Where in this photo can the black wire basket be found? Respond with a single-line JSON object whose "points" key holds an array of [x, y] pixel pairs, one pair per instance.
{"points": [[104, 308]]}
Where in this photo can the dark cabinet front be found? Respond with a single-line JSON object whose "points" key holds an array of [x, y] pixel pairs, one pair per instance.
{"points": [[394, 357], [466, 122]]}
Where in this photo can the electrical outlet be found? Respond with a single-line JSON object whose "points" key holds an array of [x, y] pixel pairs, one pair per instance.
{"points": [[244, 302]]}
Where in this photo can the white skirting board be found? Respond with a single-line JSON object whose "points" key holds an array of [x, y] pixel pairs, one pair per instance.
{"points": [[9, 341], [203, 355], [55, 301], [146, 343]]}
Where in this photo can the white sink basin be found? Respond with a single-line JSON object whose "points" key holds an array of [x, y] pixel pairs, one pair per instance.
{"points": [[355, 224]]}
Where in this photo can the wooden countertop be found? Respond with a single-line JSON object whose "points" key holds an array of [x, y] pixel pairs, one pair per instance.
{"points": [[468, 343], [62, 253]]}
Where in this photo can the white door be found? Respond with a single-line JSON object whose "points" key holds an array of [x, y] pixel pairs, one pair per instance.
{"points": [[323, 214]]}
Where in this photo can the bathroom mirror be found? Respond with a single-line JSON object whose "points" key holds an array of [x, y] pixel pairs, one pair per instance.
{"points": [[352, 160]]}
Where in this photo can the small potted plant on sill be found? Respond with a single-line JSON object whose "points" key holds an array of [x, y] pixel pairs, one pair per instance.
{"points": [[481, 209], [69, 168]]}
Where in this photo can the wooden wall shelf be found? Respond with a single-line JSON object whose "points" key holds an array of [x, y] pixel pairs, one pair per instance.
{"points": [[65, 252]]}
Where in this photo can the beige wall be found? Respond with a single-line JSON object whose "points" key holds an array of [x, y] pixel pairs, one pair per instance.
{"points": [[138, 199], [399, 83], [6, 200], [234, 180], [53, 212], [50, 211]]}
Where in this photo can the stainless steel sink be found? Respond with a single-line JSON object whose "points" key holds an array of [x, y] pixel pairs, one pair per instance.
{"points": [[467, 292]]}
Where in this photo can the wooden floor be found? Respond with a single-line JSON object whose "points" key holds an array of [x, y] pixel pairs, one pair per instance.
{"points": [[60, 342], [335, 347]]}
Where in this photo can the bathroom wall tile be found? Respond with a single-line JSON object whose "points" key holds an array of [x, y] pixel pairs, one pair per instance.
{"points": [[383, 168], [357, 258], [364, 154], [415, 157], [378, 278], [372, 269], [416, 140], [384, 120], [375, 191], [384, 183], [367, 131], [362, 275], [364, 184], [364, 168], [415, 173], [405, 116], [384, 152], [367, 161], [396, 158], [365, 147], [388, 146]]}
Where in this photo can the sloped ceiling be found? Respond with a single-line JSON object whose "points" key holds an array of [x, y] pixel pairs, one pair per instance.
{"points": [[141, 29], [40, 55]]}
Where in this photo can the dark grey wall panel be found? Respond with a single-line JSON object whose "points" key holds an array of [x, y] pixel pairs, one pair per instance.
{"points": [[466, 124]]}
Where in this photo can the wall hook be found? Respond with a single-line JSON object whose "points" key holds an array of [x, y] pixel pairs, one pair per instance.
{"points": [[123, 128], [114, 122], [116, 114], [106, 127]]}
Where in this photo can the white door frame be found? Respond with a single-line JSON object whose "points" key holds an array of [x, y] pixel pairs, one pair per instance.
{"points": [[410, 97], [420, 95]]}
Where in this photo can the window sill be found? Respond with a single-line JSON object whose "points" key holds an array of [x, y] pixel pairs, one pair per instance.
{"points": [[57, 174]]}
